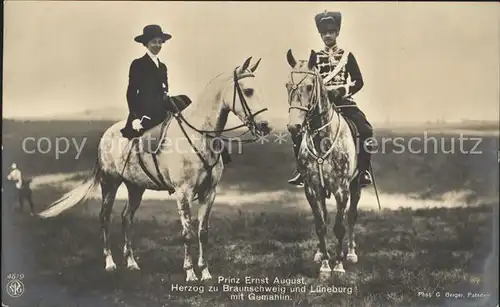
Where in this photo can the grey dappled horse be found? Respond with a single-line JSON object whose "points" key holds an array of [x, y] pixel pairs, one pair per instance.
{"points": [[189, 174], [327, 157]]}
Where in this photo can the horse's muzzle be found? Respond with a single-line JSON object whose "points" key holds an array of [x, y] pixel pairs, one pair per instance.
{"points": [[263, 127], [293, 128]]}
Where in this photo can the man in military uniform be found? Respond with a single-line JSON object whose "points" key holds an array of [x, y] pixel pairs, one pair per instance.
{"points": [[342, 78], [148, 100]]}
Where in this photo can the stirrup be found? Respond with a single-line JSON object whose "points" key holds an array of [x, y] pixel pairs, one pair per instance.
{"points": [[297, 179], [365, 179], [370, 145]]}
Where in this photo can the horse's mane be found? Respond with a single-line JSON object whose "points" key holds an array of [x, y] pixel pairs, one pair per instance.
{"points": [[321, 85], [210, 94], [322, 88], [324, 101], [214, 87]]}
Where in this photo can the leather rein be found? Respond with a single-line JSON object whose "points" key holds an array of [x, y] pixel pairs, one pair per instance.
{"points": [[249, 120], [312, 105]]}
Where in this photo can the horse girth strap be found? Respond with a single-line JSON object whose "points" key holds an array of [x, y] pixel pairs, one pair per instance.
{"points": [[204, 161], [161, 183], [157, 167]]}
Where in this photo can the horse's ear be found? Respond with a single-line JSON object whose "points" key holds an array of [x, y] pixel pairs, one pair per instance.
{"points": [[246, 64], [312, 60], [254, 67], [291, 60]]}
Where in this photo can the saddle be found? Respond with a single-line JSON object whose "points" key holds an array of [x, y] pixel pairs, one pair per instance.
{"points": [[152, 139], [352, 127], [177, 103], [354, 132]]}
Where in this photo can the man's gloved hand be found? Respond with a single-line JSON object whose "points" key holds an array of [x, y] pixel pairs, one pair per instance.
{"points": [[338, 93], [136, 124], [165, 96], [342, 92]]}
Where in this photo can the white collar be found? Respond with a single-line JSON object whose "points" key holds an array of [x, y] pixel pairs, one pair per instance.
{"points": [[332, 50], [153, 57]]}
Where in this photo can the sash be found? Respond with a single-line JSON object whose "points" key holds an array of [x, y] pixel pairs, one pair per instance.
{"points": [[336, 70]]}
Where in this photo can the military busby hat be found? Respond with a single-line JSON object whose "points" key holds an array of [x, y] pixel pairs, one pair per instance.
{"points": [[328, 21], [151, 31]]}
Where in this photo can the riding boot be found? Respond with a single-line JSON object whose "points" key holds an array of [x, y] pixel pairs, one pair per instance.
{"points": [[364, 158], [226, 158], [296, 178]]}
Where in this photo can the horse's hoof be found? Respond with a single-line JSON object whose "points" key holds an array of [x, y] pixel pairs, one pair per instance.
{"points": [[339, 268], [191, 276], [325, 276], [110, 264], [133, 266], [110, 267], [325, 267], [317, 257], [352, 258], [205, 274]]}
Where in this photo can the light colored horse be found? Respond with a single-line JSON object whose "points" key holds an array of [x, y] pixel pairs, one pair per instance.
{"points": [[327, 157], [190, 164]]}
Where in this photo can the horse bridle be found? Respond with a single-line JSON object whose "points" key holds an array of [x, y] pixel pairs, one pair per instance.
{"points": [[295, 87], [249, 118], [313, 101]]}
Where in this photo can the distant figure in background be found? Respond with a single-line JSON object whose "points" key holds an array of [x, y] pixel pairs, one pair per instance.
{"points": [[22, 185], [147, 91]]}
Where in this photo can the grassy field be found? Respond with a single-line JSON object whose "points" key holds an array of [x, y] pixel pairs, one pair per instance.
{"points": [[403, 252]]}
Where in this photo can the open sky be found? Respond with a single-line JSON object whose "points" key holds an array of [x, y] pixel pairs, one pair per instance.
{"points": [[420, 61]]}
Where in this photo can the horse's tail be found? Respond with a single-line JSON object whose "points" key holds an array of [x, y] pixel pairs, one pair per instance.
{"points": [[75, 196]]}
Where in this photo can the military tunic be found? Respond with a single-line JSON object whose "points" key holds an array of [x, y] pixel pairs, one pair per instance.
{"points": [[342, 79], [349, 80]]}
